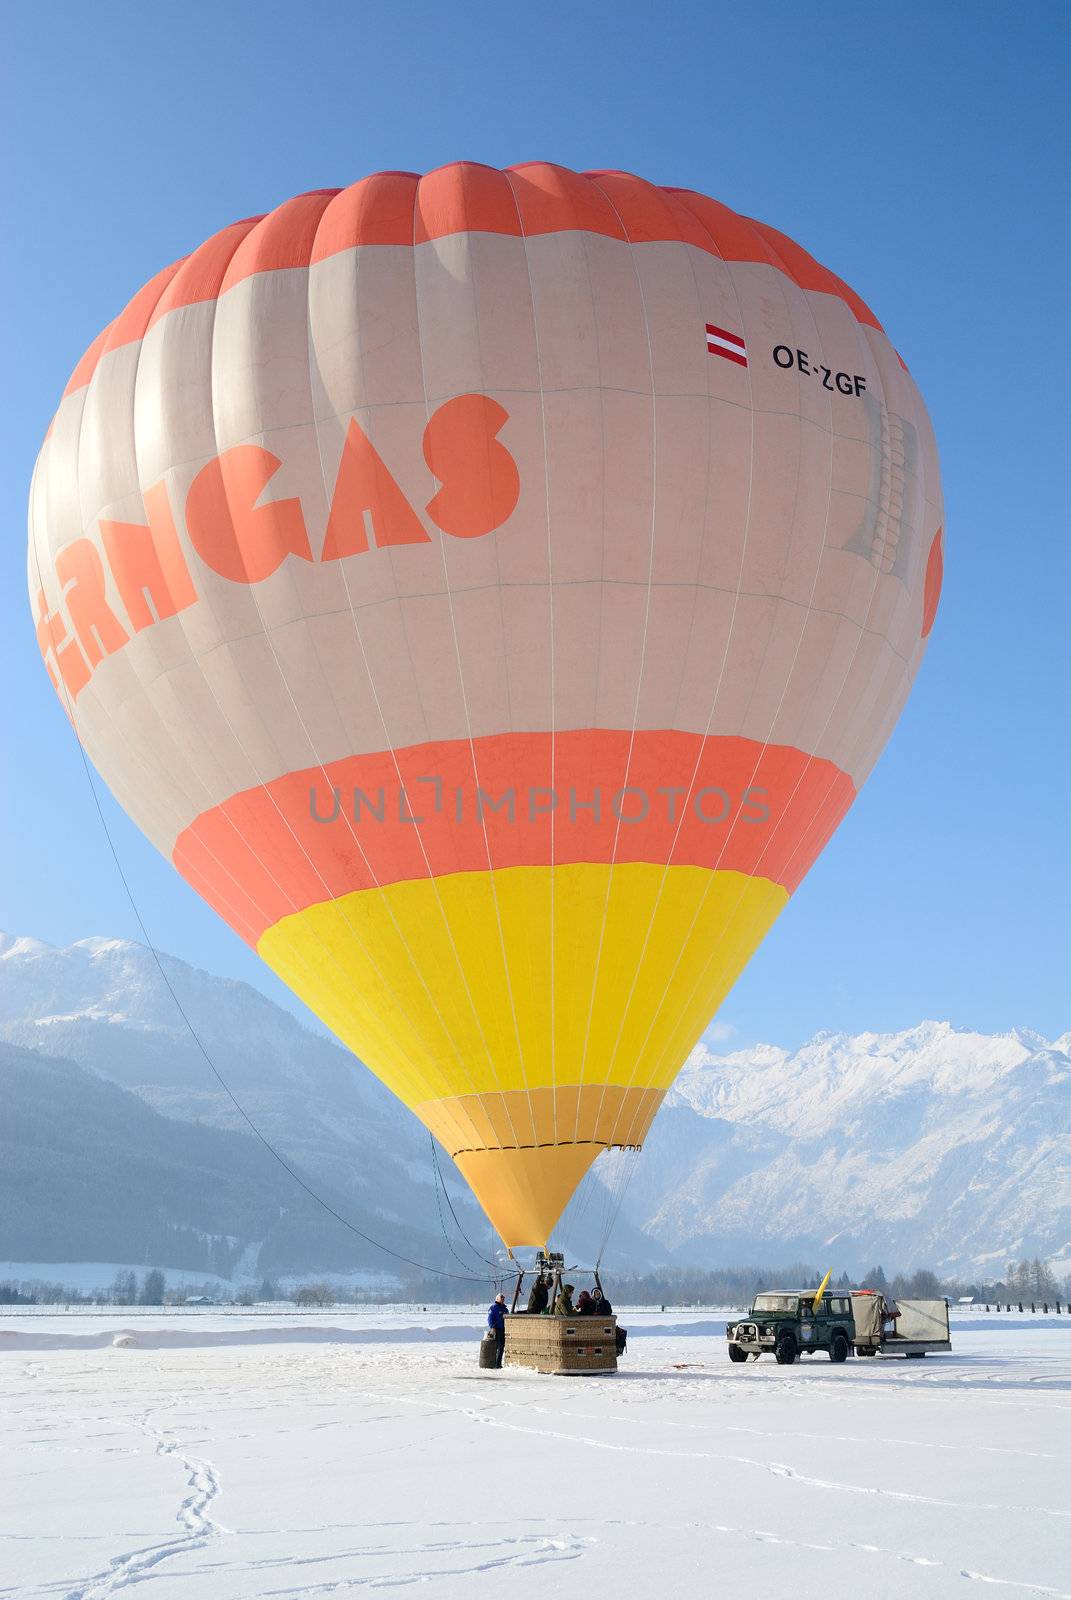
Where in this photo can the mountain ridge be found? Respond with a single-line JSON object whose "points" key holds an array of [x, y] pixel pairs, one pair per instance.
{"points": [[934, 1145]]}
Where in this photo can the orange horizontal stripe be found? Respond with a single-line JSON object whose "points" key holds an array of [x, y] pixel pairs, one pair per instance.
{"points": [[379, 209], [283, 238], [262, 855], [402, 208], [570, 1113], [128, 327], [200, 276], [87, 366]]}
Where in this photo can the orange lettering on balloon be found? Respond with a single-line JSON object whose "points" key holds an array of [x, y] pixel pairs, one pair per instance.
{"points": [[99, 630], [52, 638], [479, 477], [235, 536], [366, 492], [931, 588], [149, 561]]}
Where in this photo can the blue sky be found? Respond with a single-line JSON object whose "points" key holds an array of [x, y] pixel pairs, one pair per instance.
{"points": [[915, 149]]}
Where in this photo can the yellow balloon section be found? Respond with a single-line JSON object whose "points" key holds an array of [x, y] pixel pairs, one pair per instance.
{"points": [[490, 590]]}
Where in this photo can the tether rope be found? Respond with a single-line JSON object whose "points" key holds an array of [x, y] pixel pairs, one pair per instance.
{"points": [[441, 1184], [359, 1233]]}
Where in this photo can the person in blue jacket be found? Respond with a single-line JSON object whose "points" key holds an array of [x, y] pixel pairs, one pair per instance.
{"points": [[496, 1321]]}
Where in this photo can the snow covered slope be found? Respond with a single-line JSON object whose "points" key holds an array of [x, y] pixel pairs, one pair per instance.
{"points": [[929, 1147], [102, 1004], [89, 1171], [932, 1146]]}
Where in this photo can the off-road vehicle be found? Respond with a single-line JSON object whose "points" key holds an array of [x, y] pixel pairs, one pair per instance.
{"points": [[789, 1326]]}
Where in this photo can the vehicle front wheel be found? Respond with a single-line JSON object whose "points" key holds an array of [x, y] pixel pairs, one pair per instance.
{"points": [[838, 1349], [786, 1350], [736, 1354]]}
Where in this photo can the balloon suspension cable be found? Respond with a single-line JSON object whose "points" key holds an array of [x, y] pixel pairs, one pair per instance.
{"points": [[436, 1182], [581, 1202], [440, 1183], [246, 1118], [496, 1268], [616, 1190]]}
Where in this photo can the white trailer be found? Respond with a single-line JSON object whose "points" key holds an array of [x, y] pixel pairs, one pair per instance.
{"points": [[898, 1327]]}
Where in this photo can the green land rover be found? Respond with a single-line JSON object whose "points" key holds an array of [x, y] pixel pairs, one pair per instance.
{"points": [[789, 1326]]}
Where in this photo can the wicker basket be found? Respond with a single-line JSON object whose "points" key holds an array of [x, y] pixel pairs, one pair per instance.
{"points": [[562, 1344]]}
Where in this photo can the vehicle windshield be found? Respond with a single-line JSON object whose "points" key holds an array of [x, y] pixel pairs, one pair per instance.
{"points": [[776, 1302]]}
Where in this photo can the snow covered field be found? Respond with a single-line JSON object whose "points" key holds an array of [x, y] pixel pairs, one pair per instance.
{"points": [[225, 1455]]}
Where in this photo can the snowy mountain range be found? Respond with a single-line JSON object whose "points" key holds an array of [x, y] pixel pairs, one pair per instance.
{"points": [[101, 1007], [933, 1146]]}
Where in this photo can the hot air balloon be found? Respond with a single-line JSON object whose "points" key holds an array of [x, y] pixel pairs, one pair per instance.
{"points": [[490, 590]]}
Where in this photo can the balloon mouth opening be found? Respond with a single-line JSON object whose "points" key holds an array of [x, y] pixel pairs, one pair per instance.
{"points": [[525, 1190]]}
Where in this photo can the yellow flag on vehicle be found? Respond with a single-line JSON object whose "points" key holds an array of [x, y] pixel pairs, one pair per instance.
{"points": [[822, 1289]]}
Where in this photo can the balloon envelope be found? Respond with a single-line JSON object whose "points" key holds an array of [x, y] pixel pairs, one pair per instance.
{"points": [[490, 590]]}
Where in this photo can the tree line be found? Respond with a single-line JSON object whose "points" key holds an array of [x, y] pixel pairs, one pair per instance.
{"points": [[674, 1286]]}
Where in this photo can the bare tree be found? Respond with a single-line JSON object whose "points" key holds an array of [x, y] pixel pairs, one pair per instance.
{"points": [[1019, 1278], [314, 1294], [1042, 1280], [152, 1289], [125, 1289]]}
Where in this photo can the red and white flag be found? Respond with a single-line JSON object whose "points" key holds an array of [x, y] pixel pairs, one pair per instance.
{"points": [[720, 342]]}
